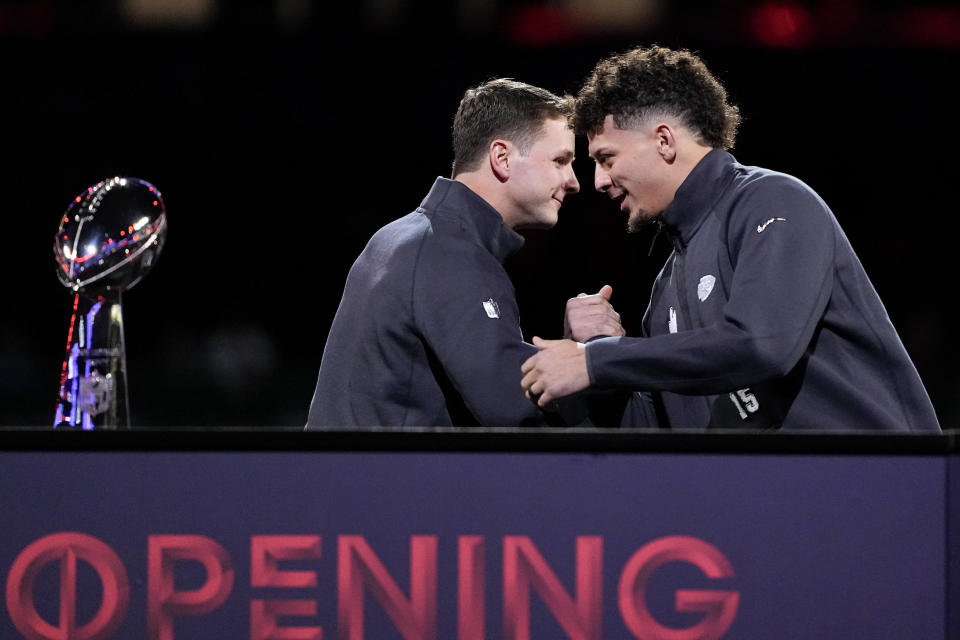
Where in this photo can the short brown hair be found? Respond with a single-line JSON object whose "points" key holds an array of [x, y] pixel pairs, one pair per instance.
{"points": [[502, 108], [657, 81]]}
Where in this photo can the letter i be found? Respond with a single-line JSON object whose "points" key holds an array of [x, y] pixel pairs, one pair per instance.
{"points": [[470, 591]]}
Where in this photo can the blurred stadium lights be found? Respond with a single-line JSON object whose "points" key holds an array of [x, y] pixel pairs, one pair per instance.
{"points": [[383, 12], [771, 23], [541, 25], [477, 16], [570, 20], [764, 23], [202, 15], [612, 16], [293, 14], [926, 26], [795, 24], [26, 18], [181, 14], [782, 24]]}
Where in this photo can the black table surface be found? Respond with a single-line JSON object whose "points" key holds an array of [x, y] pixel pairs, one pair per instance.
{"points": [[480, 440]]}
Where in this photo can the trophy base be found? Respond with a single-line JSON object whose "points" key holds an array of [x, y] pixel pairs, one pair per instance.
{"points": [[93, 383]]}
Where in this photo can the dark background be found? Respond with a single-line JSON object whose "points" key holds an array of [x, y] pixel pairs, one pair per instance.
{"points": [[283, 133]]}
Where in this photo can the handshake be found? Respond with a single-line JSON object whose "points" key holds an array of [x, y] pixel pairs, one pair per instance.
{"points": [[559, 368]]}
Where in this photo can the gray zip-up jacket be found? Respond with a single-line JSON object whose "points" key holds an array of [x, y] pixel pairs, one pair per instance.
{"points": [[428, 331], [762, 317]]}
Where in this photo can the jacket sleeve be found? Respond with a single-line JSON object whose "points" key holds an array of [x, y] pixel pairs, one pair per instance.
{"points": [[466, 312], [782, 280]]}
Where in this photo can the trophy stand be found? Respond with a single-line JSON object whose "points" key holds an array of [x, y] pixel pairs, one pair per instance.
{"points": [[93, 380], [108, 239]]}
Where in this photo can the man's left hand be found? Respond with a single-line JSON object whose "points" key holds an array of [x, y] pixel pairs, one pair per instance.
{"points": [[559, 369], [591, 316]]}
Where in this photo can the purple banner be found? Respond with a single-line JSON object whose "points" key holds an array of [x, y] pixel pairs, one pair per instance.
{"points": [[468, 546]]}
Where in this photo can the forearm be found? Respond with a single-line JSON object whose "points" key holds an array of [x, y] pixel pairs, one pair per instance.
{"points": [[711, 360]]}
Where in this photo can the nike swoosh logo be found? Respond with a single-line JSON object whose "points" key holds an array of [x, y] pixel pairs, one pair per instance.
{"points": [[761, 227]]}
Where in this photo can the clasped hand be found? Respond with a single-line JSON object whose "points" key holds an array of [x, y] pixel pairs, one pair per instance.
{"points": [[558, 369], [589, 316]]}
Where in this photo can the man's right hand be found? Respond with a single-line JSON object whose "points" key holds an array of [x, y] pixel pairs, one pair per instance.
{"points": [[589, 316]]}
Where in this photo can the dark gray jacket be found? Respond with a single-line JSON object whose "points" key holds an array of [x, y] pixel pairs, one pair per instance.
{"points": [[428, 332], [762, 317]]}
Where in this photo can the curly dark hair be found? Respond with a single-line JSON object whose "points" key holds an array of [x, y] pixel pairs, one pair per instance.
{"points": [[502, 108], [657, 81]]}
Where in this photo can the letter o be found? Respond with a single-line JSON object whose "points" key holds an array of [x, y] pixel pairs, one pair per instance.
{"points": [[67, 547]]}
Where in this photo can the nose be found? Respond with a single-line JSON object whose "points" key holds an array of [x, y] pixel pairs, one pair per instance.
{"points": [[601, 179], [571, 185]]}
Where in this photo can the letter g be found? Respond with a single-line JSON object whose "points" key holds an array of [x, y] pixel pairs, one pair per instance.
{"points": [[720, 606]]}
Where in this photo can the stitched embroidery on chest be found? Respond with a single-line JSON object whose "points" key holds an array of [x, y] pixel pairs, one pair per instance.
{"points": [[705, 287], [492, 308], [761, 227]]}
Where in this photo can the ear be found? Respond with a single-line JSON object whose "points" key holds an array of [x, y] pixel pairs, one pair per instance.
{"points": [[666, 142], [499, 156]]}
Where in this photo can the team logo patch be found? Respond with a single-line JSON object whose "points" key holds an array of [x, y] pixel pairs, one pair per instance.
{"points": [[705, 287], [672, 322], [761, 227], [491, 307]]}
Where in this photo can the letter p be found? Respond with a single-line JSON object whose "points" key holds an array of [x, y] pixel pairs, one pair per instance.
{"points": [[164, 602]]}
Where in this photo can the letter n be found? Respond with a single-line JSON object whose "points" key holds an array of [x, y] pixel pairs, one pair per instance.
{"points": [[359, 567], [524, 567]]}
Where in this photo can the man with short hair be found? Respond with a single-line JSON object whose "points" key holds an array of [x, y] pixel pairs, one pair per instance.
{"points": [[427, 332], [762, 316]]}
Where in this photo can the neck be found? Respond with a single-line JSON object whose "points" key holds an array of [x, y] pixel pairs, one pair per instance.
{"points": [[695, 154]]}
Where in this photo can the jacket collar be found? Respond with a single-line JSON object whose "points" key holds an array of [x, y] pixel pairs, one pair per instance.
{"points": [[476, 218], [697, 195]]}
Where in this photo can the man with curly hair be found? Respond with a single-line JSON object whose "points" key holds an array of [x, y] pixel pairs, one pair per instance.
{"points": [[762, 316], [427, 332]]}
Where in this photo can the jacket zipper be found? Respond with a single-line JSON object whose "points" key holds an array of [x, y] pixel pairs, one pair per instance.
{"points": [[681, 279]]}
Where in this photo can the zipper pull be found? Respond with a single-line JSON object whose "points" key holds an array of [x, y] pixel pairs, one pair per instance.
{"points": [[656, 235]]}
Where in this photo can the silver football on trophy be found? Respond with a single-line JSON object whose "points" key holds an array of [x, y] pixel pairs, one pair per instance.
{"points": [[108, 239], [110, 235]]}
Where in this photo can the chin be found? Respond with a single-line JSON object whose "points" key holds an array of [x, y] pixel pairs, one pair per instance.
{"points": [[540, 222], [548, 219], [638, 221]]}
